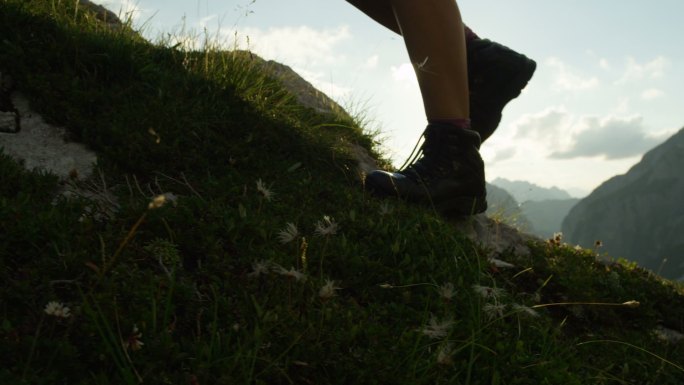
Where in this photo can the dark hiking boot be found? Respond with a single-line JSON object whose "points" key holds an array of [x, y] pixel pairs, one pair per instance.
{"points": [[496, 75], [449, 175]]}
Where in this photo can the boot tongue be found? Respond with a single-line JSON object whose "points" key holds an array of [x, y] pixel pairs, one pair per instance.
{"points": [[450, 135]]}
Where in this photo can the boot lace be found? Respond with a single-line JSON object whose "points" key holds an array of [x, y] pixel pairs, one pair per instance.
{"points": [[423, 163]]}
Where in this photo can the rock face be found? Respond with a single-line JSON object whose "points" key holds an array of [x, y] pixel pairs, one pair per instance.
{"points": [[640, 215]]}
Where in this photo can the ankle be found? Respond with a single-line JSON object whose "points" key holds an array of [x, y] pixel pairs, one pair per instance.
{"points": [[462, 123]]}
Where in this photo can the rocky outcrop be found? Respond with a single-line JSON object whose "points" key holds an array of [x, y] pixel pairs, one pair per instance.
{"points": [[638, 215], [503, 207]]}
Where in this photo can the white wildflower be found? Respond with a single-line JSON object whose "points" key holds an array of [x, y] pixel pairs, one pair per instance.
{"points": [[57, 309], [447, 291], [328, 290], [268, 194], [494, 310], [292, 273], [668, 335], [385, 208], [259, 268], [133, 341], [557, 239], [488, 292], [501, 264], [288, 234], [327, 226], [436, 329], [444, 354], [525, 310]]}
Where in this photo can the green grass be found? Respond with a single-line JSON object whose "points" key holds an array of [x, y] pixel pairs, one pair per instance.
{"points": [[181, 278]]}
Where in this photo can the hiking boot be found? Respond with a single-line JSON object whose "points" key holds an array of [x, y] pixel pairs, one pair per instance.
{"points": [[449, 175], [496, 75]]}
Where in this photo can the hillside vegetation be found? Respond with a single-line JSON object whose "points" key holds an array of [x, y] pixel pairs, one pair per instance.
{"points": [[236, 244]]}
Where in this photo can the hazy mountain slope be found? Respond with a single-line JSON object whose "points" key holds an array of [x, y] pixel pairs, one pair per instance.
{"points": [[524, 191], [639, 215], [547, 216]]}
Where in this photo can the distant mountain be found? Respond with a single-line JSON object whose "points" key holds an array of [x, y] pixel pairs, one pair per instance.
{"points": [[639, 215], [502, 206], [547, 216], [525, 191]]}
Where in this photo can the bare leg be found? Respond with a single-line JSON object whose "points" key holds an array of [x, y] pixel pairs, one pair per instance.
{"points": [[435, 41]]}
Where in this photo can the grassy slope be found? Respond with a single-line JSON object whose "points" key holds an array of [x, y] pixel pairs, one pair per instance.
{"points": [[183, 276]]}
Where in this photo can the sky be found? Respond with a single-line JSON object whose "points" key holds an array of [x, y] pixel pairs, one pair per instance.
{"points": [[609, 84]]}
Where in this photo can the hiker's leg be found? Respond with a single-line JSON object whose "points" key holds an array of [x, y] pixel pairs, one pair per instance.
{"points": [[381, 12], [435, 41]]}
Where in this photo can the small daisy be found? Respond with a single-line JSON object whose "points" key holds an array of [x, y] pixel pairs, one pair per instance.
{"points": [[133, 341], [501, 264], [557, 239], [288, 234], [327, 226], [385, 208], [328, 290], [525, 310], [259, 268], [57, 309], [489, 292], [447, 291], [668, 335], [494, 310], [268, 194], [444, 354], [437, 330], [292, 273]]}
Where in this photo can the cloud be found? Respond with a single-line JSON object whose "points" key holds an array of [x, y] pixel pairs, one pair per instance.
{"points": [[404, 73], [503, 154], [548, 125], [567, 78], [654, 69], [652, 93], [372, 62], [298, 46], [125, 9], [610, 137]]}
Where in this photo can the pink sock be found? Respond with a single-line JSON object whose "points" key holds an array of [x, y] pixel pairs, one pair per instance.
{"points": [[459, 123], [469, 34]]}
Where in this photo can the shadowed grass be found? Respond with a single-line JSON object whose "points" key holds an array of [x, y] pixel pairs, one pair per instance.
{"points": [[207, 285]]}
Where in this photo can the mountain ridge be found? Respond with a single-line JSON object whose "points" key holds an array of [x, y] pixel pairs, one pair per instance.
{"points": [[638, 215]]}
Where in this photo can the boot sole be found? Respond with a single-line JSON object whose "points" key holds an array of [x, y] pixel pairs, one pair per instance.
{"points": [[456, 207], [462, 206]]}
